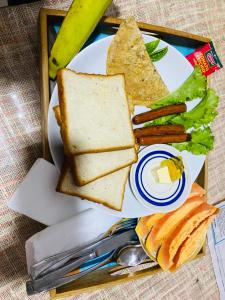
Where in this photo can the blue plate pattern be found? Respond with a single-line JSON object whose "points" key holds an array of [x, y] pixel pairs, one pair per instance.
{"points": [[147, 195]]}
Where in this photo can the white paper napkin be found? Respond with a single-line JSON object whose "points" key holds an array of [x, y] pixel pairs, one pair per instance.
{"points": [[74, 232], [36, 196]]}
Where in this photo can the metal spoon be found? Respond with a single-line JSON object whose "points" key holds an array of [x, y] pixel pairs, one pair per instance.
{"points": [[131, 255]]}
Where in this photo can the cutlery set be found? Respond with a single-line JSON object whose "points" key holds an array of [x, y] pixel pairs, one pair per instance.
{"points": [[120, 244]]}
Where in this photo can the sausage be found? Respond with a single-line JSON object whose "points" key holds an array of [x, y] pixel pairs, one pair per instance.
{"points": [[163, 139], [159, 112], [159, 130]]}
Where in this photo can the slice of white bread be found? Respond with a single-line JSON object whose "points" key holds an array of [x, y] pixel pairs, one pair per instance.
{"points": [[108, 190], [94, 111], [89, 167]]}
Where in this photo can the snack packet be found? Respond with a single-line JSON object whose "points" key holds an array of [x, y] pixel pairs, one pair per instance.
{"points": [[207, 58]]}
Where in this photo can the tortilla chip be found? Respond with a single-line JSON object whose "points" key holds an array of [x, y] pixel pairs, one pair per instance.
{"points": [[127, 54]]}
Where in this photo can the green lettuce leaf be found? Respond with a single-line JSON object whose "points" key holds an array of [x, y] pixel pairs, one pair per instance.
{"points": [[202, 142], [193, 87], [203, 113]]}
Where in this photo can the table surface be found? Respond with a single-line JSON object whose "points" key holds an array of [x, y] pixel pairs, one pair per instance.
{"points": [[20, 139]]}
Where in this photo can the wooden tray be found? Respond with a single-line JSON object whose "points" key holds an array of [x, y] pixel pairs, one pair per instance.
{"points": [[47, 17]]}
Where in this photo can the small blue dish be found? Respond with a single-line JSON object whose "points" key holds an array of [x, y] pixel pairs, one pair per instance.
{"points": [[160, 197]]}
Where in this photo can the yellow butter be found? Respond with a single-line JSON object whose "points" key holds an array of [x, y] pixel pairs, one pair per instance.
{"points": [[164, 175]]}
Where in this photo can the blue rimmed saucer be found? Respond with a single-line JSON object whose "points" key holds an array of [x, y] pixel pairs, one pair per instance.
{"points": [[157, 196]]}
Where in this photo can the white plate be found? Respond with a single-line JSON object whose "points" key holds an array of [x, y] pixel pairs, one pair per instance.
{"points": [[174, 70], [157, 196]]}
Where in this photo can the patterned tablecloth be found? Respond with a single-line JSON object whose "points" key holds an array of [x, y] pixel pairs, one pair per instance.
{"points": [[20, 139]]}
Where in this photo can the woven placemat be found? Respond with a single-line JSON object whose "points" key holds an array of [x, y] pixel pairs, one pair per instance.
{"points": [[20, 139]]}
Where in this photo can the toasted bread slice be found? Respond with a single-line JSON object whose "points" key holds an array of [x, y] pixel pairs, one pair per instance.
{"points": [[94, 112], [108, 190], [171, 244], [89, 167]]}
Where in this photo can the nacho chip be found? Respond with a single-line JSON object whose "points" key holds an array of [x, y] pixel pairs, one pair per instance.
{"points": [[127, 54]]}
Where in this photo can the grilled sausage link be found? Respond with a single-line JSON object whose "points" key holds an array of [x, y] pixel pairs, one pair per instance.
{"points": [[159, 130], [159, 112], [163, 139]]}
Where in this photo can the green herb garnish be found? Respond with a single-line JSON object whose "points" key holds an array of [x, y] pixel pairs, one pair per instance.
{"points": [[159, 54], [150, 47]]}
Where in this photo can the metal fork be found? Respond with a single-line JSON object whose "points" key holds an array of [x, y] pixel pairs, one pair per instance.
{"points": [[55, 261]]}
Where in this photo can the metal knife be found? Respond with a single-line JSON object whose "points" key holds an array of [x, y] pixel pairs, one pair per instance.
{"points": [[104, 246]]}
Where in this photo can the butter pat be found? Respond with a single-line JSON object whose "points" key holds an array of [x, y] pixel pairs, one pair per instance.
{"points": [[164, 175]]}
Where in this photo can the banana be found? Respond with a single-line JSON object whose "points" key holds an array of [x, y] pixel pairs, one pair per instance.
{"points": [[80, 21]]}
